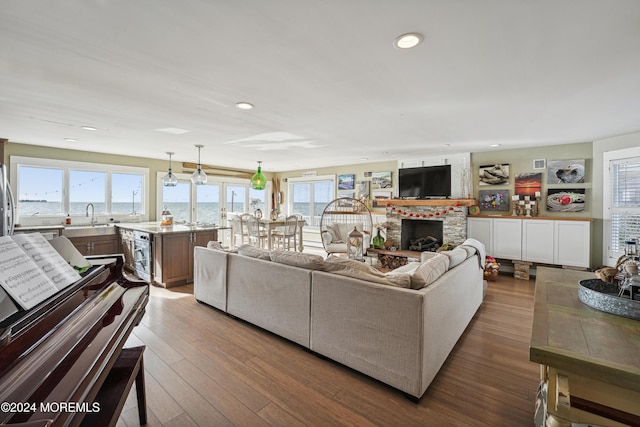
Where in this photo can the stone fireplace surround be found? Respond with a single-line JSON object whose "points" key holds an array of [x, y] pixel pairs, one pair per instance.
{"points": [[450, 214]]}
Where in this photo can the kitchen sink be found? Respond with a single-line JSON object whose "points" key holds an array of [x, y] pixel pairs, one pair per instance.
{"points": [[88, 230]]}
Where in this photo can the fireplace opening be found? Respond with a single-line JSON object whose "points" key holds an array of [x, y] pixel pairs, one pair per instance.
{"points": [[421, 236]]}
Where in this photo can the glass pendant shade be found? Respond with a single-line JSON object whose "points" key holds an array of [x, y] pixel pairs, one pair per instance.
{"points": [[169, 180], [258, 180], [199, 177]]}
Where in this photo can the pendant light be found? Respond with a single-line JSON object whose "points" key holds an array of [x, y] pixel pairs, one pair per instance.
{"points": [[169, 180], [258, 180], [199, 177]]}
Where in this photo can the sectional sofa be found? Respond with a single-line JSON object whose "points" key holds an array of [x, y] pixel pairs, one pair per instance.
{"points": [[375, 323]]}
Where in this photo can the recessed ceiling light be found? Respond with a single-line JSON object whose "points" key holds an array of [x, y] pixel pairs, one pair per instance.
{"points": [[446, 145], [88, 128], [408, 40], [71, 140], [364, 158], [244, 106], [494, 145]]}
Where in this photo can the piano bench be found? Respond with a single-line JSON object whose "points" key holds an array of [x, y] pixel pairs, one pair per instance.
{"points": [[128, 368]]}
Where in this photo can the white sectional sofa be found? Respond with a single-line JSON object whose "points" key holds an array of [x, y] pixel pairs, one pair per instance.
{"points": [[358, 317]]}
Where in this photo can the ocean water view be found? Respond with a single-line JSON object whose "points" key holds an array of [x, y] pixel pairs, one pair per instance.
{"points": [[205, 212]]}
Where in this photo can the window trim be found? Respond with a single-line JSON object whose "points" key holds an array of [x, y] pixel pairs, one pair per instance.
{"points": [[609, 258], [66, 165]]}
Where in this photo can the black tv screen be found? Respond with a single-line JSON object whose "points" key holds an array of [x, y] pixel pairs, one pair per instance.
{"points": [[425, 182]]}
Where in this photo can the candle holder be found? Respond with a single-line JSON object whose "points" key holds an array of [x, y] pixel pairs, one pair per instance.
{"points": [[527, 209], [537, 206], [521, 208]]}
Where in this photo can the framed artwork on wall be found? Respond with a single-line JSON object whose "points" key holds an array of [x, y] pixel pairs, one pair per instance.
{"points": [[346, 182], [381, 180], [528, 183], [497, 200], [565, 171], [565, 200], [494, 174], [362, 190]]}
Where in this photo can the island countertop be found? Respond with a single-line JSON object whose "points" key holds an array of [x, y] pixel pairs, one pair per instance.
{"points": [[154, 227]]}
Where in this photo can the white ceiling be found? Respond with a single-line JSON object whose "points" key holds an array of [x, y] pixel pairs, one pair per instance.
{"points": [[328, 86]]}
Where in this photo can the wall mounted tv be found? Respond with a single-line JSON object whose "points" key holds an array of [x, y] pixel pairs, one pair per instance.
{"points": [[428, 182]]}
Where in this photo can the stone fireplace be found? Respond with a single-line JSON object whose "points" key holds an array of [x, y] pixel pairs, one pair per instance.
{"points": [[445, 220]]}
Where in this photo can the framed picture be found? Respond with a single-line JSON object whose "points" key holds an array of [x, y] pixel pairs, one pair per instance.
{"points": [[345, 193], [380, 180], [362, 190], [494, 174], [346, 182], [380, 197], [565, 171], [569, 200], [497, 200], [527, 184]]}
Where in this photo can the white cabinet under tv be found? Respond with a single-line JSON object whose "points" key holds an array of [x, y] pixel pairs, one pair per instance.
{"points": [[539, 240]]}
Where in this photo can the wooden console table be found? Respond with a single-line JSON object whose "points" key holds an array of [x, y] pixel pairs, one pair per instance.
{"points": [[590, 360]]}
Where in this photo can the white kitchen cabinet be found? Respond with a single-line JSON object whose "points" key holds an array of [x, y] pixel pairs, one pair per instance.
{"points": [[507, 238], [572, 240], [545, 241], [537, 241], [481, 229]]}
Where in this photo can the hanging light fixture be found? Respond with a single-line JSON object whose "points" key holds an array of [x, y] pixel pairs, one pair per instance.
{"points": [[199, 177], [258, 180], [169, 180]]}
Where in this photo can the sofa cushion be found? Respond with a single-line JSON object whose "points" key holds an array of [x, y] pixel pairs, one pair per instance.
{"points": [[360, 270], [456, 256], [409, 267], [253, 252], [430, 271], [298, 259]]}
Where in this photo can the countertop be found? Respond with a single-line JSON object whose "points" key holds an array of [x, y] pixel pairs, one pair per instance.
{"points": [[19, 228], [154, 227]]}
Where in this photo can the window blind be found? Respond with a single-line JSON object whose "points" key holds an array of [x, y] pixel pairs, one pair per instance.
{"points": [[624, 203]]}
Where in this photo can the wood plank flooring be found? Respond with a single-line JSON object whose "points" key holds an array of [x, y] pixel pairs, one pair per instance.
{"points": [[204, 368]]}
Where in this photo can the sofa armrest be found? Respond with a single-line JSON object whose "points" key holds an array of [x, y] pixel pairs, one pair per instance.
{"points": [[210, 276]]}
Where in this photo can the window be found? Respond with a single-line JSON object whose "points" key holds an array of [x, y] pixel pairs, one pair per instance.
{"points": [[87, 187], [178, 201], [208, 203], [40, 191], [621, 201], [126, 193], [50, 189], [309, 196]]}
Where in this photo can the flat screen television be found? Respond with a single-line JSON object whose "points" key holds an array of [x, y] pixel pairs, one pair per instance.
{"points": [[427, 182]]}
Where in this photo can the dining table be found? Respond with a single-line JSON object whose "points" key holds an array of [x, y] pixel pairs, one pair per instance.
{"points": [[271, 224]]}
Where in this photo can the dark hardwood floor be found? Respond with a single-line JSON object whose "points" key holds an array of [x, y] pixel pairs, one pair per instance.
{"points": [[204, 368]]}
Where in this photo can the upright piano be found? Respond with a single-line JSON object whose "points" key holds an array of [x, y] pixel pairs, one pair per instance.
{"points": [[62, 363]]}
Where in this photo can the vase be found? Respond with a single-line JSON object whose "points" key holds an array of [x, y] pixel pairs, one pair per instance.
{"points": [[378, 241]]}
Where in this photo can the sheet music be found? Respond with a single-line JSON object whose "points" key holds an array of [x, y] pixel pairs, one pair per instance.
{"points": [[48, 259], [21, 277]]}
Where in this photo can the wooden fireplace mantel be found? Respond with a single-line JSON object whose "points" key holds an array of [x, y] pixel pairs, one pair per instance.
{"points": [[432, 202]]}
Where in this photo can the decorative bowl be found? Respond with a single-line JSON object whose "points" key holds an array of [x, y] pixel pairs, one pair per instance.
{"points": [[603, 296]]}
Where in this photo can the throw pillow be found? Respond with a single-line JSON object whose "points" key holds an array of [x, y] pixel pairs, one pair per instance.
{"points": [[334, 231], [298, 259], [456, 256], [360, 270], [424, 256], [253, 252], [430, 271], [327, 238], [215, 245]]}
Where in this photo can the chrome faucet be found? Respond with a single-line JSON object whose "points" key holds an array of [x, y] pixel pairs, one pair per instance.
{"points": [[93, 219]]}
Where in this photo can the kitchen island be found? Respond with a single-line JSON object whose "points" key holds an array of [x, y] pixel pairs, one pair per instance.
{"points": [[163, 255]]}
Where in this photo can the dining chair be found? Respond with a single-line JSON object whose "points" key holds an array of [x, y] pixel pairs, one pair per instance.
{"points": [[244, 229], [257, 235], [288, 232]]}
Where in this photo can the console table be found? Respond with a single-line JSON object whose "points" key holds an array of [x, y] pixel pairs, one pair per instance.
{"points": [[590, 360]]}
